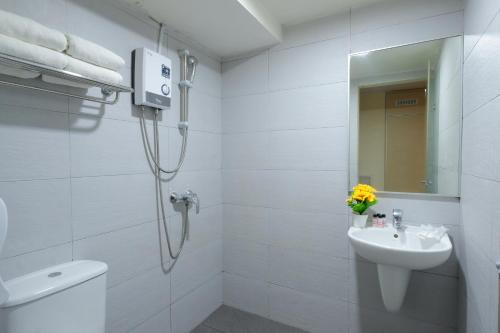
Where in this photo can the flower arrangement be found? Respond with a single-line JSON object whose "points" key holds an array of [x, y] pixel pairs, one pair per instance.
{"points": [[362, 197]]}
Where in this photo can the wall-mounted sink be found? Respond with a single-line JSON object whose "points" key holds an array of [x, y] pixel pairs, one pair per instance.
{"points": [[396, 253]]}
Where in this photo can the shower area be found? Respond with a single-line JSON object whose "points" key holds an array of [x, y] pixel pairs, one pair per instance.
{"points": [[213, 185]]}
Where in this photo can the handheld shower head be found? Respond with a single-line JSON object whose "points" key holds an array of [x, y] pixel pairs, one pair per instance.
{"points": [[193, 63], [190, 63]]}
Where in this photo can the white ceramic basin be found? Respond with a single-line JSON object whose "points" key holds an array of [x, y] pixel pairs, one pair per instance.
{"points": [[403, 249], [396, 253]]}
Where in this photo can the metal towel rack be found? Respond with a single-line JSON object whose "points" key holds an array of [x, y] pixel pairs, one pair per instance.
{"points": [[106, 88]]}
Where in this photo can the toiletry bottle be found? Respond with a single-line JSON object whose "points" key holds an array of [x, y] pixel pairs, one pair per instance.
{"points": [[375, 220], [381, 220]]}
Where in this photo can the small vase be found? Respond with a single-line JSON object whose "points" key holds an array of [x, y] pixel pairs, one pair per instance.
{"points": [[359, 221]]}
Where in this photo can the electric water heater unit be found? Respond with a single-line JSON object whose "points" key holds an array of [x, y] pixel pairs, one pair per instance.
{"points": [[152, 79]]}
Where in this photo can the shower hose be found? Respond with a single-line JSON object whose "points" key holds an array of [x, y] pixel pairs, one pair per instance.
{"points": [[153, 153]]}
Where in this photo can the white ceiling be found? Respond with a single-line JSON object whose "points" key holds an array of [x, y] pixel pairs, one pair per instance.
{"points": [[230, 28], [226, 27], [289, 12]]}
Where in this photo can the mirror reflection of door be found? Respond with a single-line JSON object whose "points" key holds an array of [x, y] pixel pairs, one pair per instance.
{"points": [[405, 117], [406, 132]]}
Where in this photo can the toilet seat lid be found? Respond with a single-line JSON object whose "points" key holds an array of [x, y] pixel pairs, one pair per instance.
{"points": [[51, 280]]}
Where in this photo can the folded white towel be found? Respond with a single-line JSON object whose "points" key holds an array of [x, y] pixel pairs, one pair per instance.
{"points": [[63, 82], [20, 73], [88, 51], [42, 55], [93, 72], [30, 31], [430, 232]]}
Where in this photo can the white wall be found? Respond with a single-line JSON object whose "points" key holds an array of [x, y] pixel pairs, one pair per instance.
{"points": [[285, 147], [480, 166], [77, 185]]}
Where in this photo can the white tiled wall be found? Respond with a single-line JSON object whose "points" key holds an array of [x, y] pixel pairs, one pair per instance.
{"points": [[284, 123], [75, 178], [480, 165], [77, 185]]}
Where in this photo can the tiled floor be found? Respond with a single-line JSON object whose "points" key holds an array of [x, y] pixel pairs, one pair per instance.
{"points": [[230, 320]]}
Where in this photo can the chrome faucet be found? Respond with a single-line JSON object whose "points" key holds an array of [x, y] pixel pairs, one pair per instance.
{"points": [[189, 198], [397, 219]]}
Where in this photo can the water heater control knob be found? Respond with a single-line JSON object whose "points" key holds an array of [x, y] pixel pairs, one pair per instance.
{"points": [[165, 90]]}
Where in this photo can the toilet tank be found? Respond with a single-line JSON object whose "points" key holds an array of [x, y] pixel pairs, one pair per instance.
{"points": [[68, 298]]}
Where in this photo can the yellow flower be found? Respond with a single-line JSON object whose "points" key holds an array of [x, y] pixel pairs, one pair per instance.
{"points": [[362, 192]]}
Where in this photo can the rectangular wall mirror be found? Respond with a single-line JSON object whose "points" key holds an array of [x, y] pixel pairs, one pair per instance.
{"points": [[405, 117]]}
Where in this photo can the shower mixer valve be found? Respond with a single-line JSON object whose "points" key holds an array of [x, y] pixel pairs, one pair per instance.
{"points": [[189, 198]]}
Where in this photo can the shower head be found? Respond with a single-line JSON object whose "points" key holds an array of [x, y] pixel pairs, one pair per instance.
{"points": [[192, 62]]}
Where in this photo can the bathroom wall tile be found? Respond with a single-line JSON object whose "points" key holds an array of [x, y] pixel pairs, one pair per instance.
{"points": [[107, 24], [478, 15], [16, 97], [131, 303], [429, 298], [434, 27], [317, 232], [439, 307], [206, 183], [365, 320], [247, 259], [208, 79], [47, 12], [312, 313], [159, 323], [478, 223], [247, 151], [34, 144], [94, 141], [39, 215], [473, 323], [128, 252], [248, 223], [105, 147], [480, 137], [248, 113], [32, 261], [107, 203], [481, 69], [194, 269], [298, 190], [310, 149], [244, 187], [478, 273], [309, 107], [246, 294], [204, 112], [309, 65], [199, 304], [203, 151], [476, 142], [309, 272], [245, 76], [383, 14], [318, 30], [422, 210]]}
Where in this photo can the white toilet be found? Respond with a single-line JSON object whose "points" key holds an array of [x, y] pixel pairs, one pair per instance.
{"points": [[68, 298]]}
